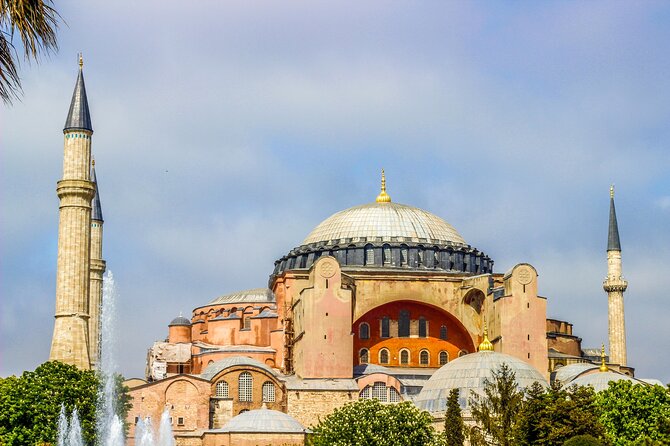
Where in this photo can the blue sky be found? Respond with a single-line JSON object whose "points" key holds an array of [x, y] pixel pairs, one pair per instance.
{"points": [[225, 131]]}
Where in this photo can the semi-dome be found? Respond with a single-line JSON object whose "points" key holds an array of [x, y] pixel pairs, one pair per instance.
{"points": [[264, 421], [600, 380], [571, 371], [385, 222], [468, 373], [255, 295]]}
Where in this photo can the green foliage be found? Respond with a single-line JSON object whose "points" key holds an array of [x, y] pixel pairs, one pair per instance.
{"points": [[495, 412], [635, 414], [583, 440], [367, 422], [30, 404], [454, 429], [552, 416]]}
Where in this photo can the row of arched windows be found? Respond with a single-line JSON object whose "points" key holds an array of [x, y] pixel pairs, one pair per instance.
{"points": [[245, 384], [404, 356], [381, 392], [403, 327]]}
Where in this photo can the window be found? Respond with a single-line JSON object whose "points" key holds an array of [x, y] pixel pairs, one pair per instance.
{"points": [[245, 386], [444, 357], [383, 356], [386, 254], [420, 256], [423, 327], [379, 391], [364, 331], [443, 332], [424, 357], [369, 255], [403, 255], [363, 356], [222, 389], [268, 392], [462, 353], [403, 324], [247, 322], [180, 421], [404, 357], [386, 327], [394, 396], [366, 393]]}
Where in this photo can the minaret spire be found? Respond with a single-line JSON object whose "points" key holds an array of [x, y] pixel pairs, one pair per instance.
{"points": [[615, 286], [97, 269], [79, 118]]}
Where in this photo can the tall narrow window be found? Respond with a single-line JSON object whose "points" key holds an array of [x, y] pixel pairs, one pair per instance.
{"points": [[394, 396], [364, 331], [403, 324], [420, 256], [383, 356], [403, 255], [424, 357], [268, 392], [443, 332], [247, 322], [379, 391], [245, 387], [386, 253], [222, 389], [369, 255], [364, 354], [404, 357], [444, 357], [423, 327], [386, 327]]}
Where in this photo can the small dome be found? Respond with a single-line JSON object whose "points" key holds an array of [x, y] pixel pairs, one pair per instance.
{"points": [[180, 320], [566, 374], [600, 380], [468, 373], [264, 421], [385, 220]]}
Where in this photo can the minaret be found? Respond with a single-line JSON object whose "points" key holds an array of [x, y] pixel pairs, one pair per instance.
{"points": [[97, 267], [615, 286], [75, 191]]}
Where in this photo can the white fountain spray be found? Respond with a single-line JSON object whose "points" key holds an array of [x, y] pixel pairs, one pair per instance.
{"points": [[74, 437], [63, 427], [165, 437]]}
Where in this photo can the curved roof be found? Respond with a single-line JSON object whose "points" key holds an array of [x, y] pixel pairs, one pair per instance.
{"points": [[600, 380], [572, 371], [264, 421], [468, 373], [369, 369], [385, 220], [255, 295], [180, 320], [216, 367]]}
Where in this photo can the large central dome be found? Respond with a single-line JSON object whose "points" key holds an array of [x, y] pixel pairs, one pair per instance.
{"points": [[385, 222]]}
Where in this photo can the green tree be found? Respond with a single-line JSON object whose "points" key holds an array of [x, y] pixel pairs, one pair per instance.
{"points": [[552, 416], [454, 429], [495, 412], [635, 414], [30, 404], [35, 22], [583, 440], [370, 423]]}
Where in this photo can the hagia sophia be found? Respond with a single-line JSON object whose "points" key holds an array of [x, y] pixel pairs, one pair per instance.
{"points": [[382, 300]]}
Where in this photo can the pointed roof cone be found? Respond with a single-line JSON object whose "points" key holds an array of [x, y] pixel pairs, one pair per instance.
{"points": [[79, 118], [613, 243], [96, 207]]}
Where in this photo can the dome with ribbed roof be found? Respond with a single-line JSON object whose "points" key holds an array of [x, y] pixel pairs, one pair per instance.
{"points": [[179, 320], [600, 380], [468, 373], [264, 421]]}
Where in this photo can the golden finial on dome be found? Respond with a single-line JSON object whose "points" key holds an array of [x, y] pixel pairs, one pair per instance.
{"points": [[486, 345], [81, 61], [603, 366], [383, 197], [612, 191]]}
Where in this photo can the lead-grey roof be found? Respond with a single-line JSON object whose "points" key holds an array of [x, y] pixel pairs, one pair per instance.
{"points": [[255, 295], [334, 384], [264, 421], [180, 320], [600, 380], [79, 118], [96, 207], [216, 367], [613, 243], [572, 371]]}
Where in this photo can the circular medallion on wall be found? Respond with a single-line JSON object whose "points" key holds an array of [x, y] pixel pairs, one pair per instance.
{"points": [[524, 275], [327, 269]]}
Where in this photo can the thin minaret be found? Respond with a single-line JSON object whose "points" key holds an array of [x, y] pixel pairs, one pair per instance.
{"points": [[97, 270], [615, 286], [75, 191]]}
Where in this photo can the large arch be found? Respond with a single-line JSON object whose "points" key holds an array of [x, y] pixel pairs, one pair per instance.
{"points": [[399, 338]]}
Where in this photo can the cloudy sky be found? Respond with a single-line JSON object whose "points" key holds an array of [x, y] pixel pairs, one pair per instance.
{"points": [[225, 131]]}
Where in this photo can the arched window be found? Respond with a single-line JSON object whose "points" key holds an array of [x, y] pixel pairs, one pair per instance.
{"points": [[444, 357], [379, 391], [245, 387], [222, 389], [403, 324], [404, 357], [247, 322], [386, 254], [462, 353], [268, 392], [363, 355], [420, 256], [386, 327], [394, 396], [423, 327], [364, 331], [369, 255], [424, 357], [244, 410], [383, 356], [403, 255], [443, 332], [436, 261], [366, 393]]}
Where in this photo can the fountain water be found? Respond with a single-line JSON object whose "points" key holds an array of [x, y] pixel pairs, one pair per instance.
{"points": [[109, 426]]}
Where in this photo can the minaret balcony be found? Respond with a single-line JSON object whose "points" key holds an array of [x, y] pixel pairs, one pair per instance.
{"points": [[619, 284]]}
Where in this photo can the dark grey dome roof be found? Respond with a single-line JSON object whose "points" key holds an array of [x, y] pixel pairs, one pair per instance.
{"points": [[180, 320]]}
